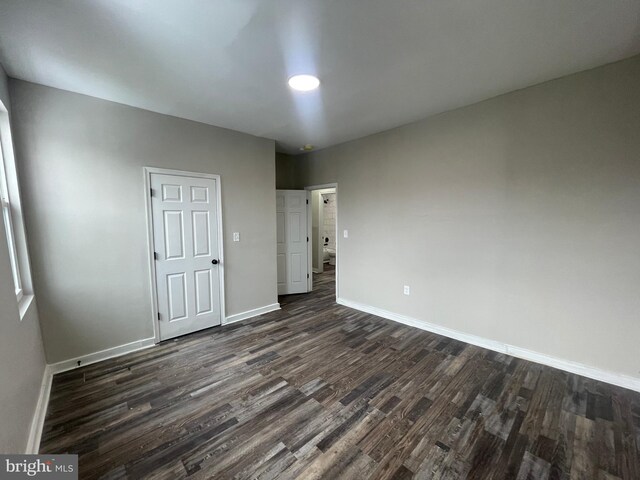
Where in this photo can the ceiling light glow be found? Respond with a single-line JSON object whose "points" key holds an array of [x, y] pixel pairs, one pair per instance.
{"points": [[304, 83]]}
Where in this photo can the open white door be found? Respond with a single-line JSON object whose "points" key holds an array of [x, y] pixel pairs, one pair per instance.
{"points": [[184, 212], [293, 241]]}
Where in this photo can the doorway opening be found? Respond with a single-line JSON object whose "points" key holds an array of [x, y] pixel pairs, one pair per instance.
{"points": [[323, 228]]}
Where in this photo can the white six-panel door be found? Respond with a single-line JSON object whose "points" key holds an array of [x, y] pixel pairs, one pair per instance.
{"points": [[292, 241], [185, 239]]}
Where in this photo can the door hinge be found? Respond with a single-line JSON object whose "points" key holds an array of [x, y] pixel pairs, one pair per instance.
{"points": [[155, 255], [151, 192], [307, 275], [307, 201], [307, 239], [158, 315]]}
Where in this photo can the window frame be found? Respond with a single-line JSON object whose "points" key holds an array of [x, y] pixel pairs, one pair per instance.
{"points": [[7, 216], [13, 219]]}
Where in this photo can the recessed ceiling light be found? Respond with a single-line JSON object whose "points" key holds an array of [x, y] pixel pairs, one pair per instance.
{"points": [[304, 83], [306, 148]]}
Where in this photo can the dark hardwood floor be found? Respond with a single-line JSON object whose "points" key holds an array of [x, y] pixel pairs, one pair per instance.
{"points": [[318, 390]]}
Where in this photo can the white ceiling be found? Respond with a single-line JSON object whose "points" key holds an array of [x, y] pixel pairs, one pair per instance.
{"points": [[382, 63]]}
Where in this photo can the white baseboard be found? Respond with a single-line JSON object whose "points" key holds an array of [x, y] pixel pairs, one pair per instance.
{"points": [[251, 313], [35, 432], [621, 380], [90, 358]]}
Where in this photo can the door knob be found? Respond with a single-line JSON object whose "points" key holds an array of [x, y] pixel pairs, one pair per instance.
{"points": [[214, 261]]}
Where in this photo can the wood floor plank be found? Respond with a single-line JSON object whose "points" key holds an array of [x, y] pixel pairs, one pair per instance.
{"points": [[317, 390]]}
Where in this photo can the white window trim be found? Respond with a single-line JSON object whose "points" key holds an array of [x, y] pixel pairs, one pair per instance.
{"points": [[12, 217], [11, 240]]}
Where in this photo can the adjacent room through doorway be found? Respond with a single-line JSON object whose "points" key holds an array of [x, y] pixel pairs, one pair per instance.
{"points": [[324, 229]]}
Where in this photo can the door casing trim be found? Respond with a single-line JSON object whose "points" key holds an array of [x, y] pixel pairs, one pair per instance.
{"points": [[147, 171]]}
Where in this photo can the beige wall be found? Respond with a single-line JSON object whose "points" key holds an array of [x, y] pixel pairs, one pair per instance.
{"points": [[21, 355], [516, 219], [81, 162]]}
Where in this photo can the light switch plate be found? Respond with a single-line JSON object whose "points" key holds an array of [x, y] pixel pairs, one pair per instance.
{"points": [[346, 234], [407, 290], [236, 236]]}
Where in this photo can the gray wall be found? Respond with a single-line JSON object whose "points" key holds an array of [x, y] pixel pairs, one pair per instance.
{"points": [[21, 355], [81, 162], [516, 219]]}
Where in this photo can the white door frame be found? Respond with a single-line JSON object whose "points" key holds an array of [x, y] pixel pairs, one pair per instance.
{"points": [[338, 262], [309, 243], [319, 247], [150, 248]]}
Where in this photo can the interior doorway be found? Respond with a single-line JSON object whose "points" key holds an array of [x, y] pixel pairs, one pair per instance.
{"points": [[184, 221], [323, 229]]}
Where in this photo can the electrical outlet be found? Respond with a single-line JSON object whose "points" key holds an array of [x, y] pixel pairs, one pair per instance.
{"points": [[346, 234], [407, 290], [236, 236]]}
